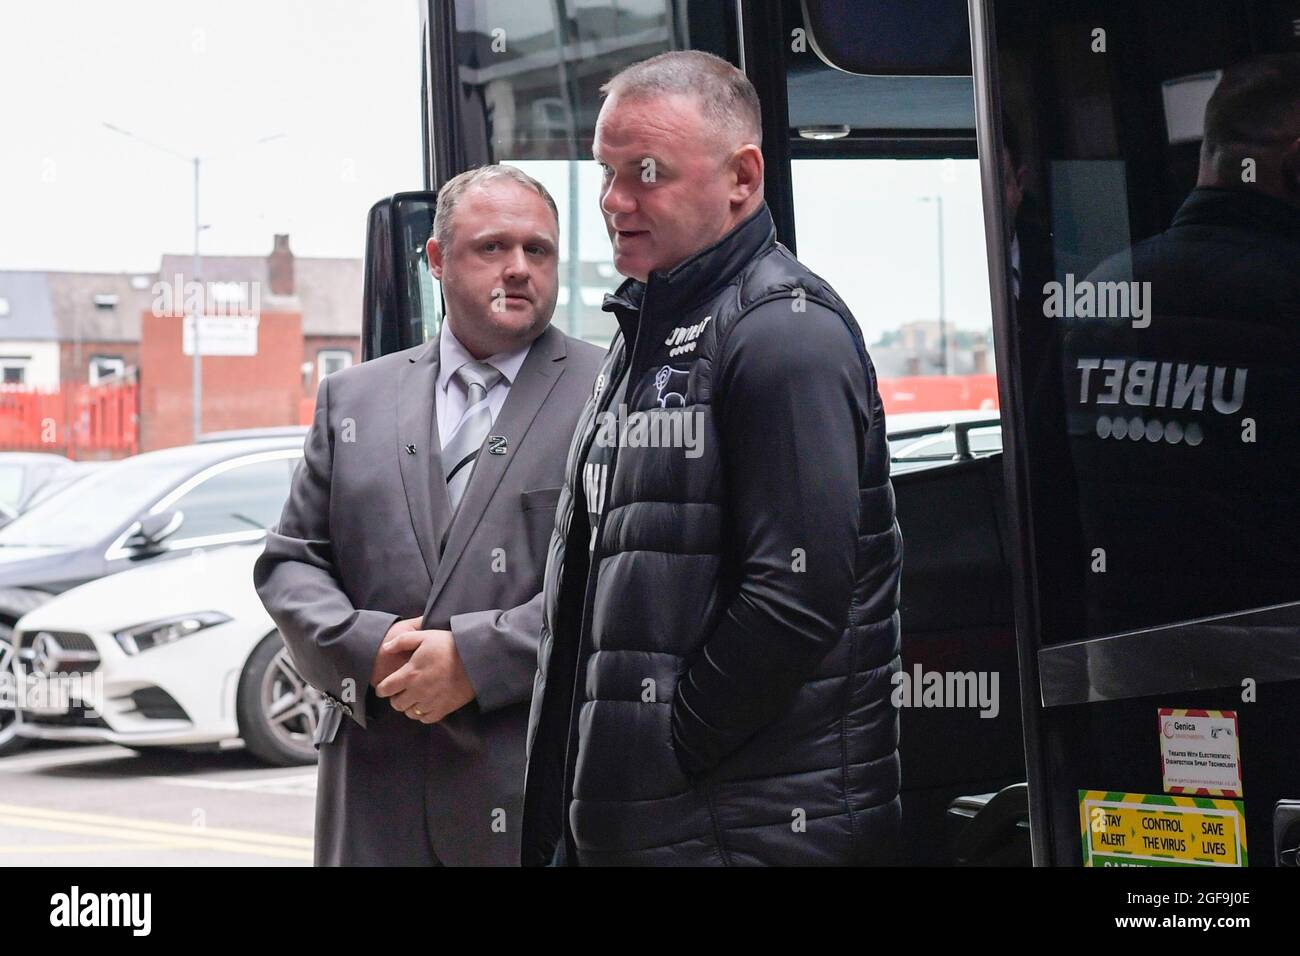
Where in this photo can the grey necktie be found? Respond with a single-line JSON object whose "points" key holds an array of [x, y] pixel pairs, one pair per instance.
{"points": [[461, 449]]}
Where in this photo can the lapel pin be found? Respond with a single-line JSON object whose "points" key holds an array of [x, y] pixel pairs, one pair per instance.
{"points": [[410, 449], [497, 445]]}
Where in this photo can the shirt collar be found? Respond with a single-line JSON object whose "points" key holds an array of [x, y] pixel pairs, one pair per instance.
{"points": [[452, 355]]}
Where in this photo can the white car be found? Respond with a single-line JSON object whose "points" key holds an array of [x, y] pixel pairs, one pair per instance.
{"points": [[175, 654]]}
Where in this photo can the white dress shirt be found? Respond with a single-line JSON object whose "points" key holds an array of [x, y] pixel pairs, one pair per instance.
{"points": [[451, 394]]}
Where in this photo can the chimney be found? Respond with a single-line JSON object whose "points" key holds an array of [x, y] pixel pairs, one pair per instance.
{"points": [[279, 266]]}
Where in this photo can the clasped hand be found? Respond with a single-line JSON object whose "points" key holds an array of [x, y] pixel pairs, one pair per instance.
{"points": [[420, 672]]}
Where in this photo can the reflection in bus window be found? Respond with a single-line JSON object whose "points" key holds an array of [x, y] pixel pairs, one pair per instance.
{"points": [[531, 75], [1160, 348], [535, 78], [1182, 377]]}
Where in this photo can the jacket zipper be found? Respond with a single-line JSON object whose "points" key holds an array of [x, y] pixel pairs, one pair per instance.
{"points": [[628, 381], [593, 562]]}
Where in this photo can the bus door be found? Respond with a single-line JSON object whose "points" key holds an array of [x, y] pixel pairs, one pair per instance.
{"points": [[879, 126], [1143, 219], [872, 178]]}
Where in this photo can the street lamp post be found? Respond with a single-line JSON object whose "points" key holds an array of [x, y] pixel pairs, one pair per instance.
{"points": [[196, 267], [943, 302]]}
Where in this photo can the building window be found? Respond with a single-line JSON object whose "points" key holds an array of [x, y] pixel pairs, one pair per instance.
{"points": [[105, 366], [14, 373], [329, 361]]}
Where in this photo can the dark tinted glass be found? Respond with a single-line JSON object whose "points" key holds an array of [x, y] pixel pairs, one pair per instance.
{"points": [[891, 37], [532, 71], [1153, 174], [866, 66]]}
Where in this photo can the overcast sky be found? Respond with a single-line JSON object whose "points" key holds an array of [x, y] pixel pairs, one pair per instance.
{"points": [[339, 78], [870, 227]]}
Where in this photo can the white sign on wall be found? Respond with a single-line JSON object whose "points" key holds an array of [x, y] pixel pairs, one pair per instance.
{"points": [[222, 335]]}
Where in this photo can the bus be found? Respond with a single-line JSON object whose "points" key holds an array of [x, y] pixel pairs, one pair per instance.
{"points": [[1089, 368]]}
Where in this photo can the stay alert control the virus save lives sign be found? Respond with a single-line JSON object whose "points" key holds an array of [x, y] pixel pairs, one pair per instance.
{"points": [[1143, 829]]}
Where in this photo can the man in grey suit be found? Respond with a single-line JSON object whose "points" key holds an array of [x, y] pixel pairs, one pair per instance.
{"points": [[405, 572]]}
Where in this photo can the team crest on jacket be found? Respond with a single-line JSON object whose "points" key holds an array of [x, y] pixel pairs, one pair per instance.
{"points": [[682, 339], [671, 383]]}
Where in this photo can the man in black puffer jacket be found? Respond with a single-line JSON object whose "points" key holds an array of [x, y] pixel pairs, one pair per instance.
{"points": [[721, 619]]}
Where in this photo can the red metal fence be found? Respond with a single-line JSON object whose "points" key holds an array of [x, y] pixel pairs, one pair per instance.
{"points": [[916, 393], [103, 421], [939, 393], [80, 421]]}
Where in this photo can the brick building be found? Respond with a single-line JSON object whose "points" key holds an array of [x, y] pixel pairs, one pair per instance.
{"points": [[309, 324], [97, 317], [281, 323], [326, 292], [29, 336]]}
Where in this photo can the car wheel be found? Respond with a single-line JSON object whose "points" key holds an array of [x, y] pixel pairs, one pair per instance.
{"points": [[10, 742], [277, 709]]}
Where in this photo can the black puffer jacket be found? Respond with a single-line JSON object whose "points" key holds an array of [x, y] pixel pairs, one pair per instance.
{"points": [[714, 675]]}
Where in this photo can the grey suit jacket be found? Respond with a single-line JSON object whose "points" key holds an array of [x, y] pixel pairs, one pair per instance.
{"points": [[366, 538]]}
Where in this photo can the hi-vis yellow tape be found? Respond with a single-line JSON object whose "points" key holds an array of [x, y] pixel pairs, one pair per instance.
{"points": [[1144, 829]]}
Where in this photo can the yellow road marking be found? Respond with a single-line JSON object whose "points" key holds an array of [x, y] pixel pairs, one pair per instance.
{"points": [[156, 827], [194, 840], [46, 848]]}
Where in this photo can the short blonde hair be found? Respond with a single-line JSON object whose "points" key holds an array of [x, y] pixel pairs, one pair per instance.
{"points": [[450, 194], [727, 99]]}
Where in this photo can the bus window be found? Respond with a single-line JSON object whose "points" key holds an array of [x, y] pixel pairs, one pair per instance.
{"points": [[885, 203], [886, 196], [1151, 338], [530, 76], [531, 73], [1160, 341], [902, 242]]}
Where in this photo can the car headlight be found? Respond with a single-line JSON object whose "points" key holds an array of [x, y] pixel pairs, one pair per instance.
{"points": [[144, 637]]}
